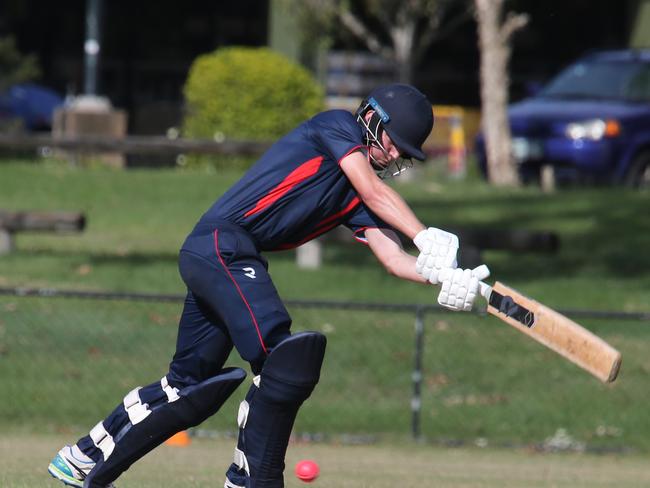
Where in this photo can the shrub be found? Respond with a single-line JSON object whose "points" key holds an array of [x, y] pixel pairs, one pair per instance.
{"points": [[248, 94]]}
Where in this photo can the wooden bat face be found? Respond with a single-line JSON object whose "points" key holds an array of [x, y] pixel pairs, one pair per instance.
{"points": [[555, 331]]}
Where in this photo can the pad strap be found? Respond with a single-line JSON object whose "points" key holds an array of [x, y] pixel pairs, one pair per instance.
{"points": [[241, 461], [170, 391], [136, 410], [102, 440]]}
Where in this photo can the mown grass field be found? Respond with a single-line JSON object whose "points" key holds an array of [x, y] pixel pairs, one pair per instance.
{"points": [[483, 382], [137, 220], [67, 363], [23, 464]]}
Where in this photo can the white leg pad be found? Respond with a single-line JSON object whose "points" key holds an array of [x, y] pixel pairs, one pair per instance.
{"points": [[102, 440], [134, 407]]}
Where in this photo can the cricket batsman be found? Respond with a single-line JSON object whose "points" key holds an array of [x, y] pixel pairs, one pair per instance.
{"points": [[327, 172]]}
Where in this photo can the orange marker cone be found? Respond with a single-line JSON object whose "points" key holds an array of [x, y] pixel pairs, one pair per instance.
{"points": [[180, 439]]}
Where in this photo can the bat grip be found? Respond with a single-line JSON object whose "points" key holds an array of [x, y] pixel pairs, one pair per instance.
{"points": [[485, 289]]}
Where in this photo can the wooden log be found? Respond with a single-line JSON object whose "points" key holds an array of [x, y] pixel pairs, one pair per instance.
{"points": [[472, 243], [36, 221], [516, 240]]}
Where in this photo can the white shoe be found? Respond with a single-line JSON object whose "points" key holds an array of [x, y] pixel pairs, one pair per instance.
{"points": [[71, 466]]}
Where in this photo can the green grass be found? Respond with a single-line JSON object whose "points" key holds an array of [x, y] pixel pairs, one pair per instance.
{"points": [[66, 363], [483, 381], [24, 459], [137, 220]]}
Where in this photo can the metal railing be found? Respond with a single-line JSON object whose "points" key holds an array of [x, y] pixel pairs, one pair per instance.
{"points": [[133, 144]]}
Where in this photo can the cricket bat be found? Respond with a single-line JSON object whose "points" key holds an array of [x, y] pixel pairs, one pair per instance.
{"points": [[554, 330]]}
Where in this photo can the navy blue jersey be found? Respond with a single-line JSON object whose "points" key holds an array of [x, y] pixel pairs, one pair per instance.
{"points": [[297, 190]]}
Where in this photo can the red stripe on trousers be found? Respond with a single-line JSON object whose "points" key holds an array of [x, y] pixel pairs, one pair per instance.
{"points": [[241, 294]]}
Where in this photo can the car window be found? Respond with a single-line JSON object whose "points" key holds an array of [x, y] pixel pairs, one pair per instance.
{"points": [[601, 79], [639, 86]]}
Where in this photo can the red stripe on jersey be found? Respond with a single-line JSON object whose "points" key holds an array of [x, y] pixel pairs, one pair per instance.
{"points": [[328, 224], [363, 240], [298, 175], [355, 148], [353, 203]]}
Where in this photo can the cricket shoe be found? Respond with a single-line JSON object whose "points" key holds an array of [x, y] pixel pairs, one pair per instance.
{"points": [[71, 466]]}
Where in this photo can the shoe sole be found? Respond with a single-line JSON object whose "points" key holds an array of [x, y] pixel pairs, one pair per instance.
{"points": [[62, 477]]}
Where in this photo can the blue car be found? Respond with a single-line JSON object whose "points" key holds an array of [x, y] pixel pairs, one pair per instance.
{"points": [[591, 123], [32, 104]]}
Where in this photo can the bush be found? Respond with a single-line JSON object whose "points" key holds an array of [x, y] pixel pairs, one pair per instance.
{"points": [[248, 94]]}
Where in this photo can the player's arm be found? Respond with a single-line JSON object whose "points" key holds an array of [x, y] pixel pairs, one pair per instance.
{"points": [[387, 247], [437, 247], [385, 202], [458, 287]]}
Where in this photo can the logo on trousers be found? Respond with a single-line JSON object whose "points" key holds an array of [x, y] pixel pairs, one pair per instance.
{"points": [[250, 272]]}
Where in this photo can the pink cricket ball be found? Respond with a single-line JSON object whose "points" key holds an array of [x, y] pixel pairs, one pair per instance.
{"points": [[307, 471]]}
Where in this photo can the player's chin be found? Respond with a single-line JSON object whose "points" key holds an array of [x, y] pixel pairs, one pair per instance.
{"points": [[379, 165]]}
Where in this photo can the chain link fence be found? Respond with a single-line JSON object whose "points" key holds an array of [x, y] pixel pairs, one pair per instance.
{"points": [[67, 358]]}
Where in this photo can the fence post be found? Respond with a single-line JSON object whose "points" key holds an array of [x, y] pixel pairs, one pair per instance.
{"points": [[416, 400], [6, 241], [310, 255]]}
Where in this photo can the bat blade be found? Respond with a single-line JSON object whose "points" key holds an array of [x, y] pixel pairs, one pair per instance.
{"points": [[555, 331]]}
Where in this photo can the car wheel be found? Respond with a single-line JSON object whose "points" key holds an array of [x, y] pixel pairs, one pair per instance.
{"points": [[639, 174]]}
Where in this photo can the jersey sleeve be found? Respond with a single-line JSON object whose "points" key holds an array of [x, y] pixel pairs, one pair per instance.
{"points": [[337, 134], [361, 219]]}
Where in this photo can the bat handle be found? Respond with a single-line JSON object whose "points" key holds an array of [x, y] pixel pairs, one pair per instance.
{"points": [[485, 289]]}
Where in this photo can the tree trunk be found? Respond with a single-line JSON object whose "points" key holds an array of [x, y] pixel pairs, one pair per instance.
{"points": [[495, 54], [403, 37]]}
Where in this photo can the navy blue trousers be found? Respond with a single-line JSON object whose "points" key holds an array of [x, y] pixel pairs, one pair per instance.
{"points": [[231, 302]]}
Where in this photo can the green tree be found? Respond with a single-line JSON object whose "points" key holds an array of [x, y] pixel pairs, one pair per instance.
{"points": [[495, 29], [400, 31], [14, 66]]}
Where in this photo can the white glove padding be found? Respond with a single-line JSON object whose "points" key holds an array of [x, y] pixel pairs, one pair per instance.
{"points": [[437, 251], [460, 287]]}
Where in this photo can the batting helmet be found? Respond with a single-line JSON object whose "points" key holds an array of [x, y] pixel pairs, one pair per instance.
{"points": [[406, 115]]}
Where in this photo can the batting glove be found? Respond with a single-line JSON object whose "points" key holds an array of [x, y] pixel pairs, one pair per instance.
{"points": [[437, 251], [460, 287]]}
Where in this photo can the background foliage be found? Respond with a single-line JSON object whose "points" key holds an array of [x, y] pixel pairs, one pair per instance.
{"points": [[15, 67], [248, 93]]}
